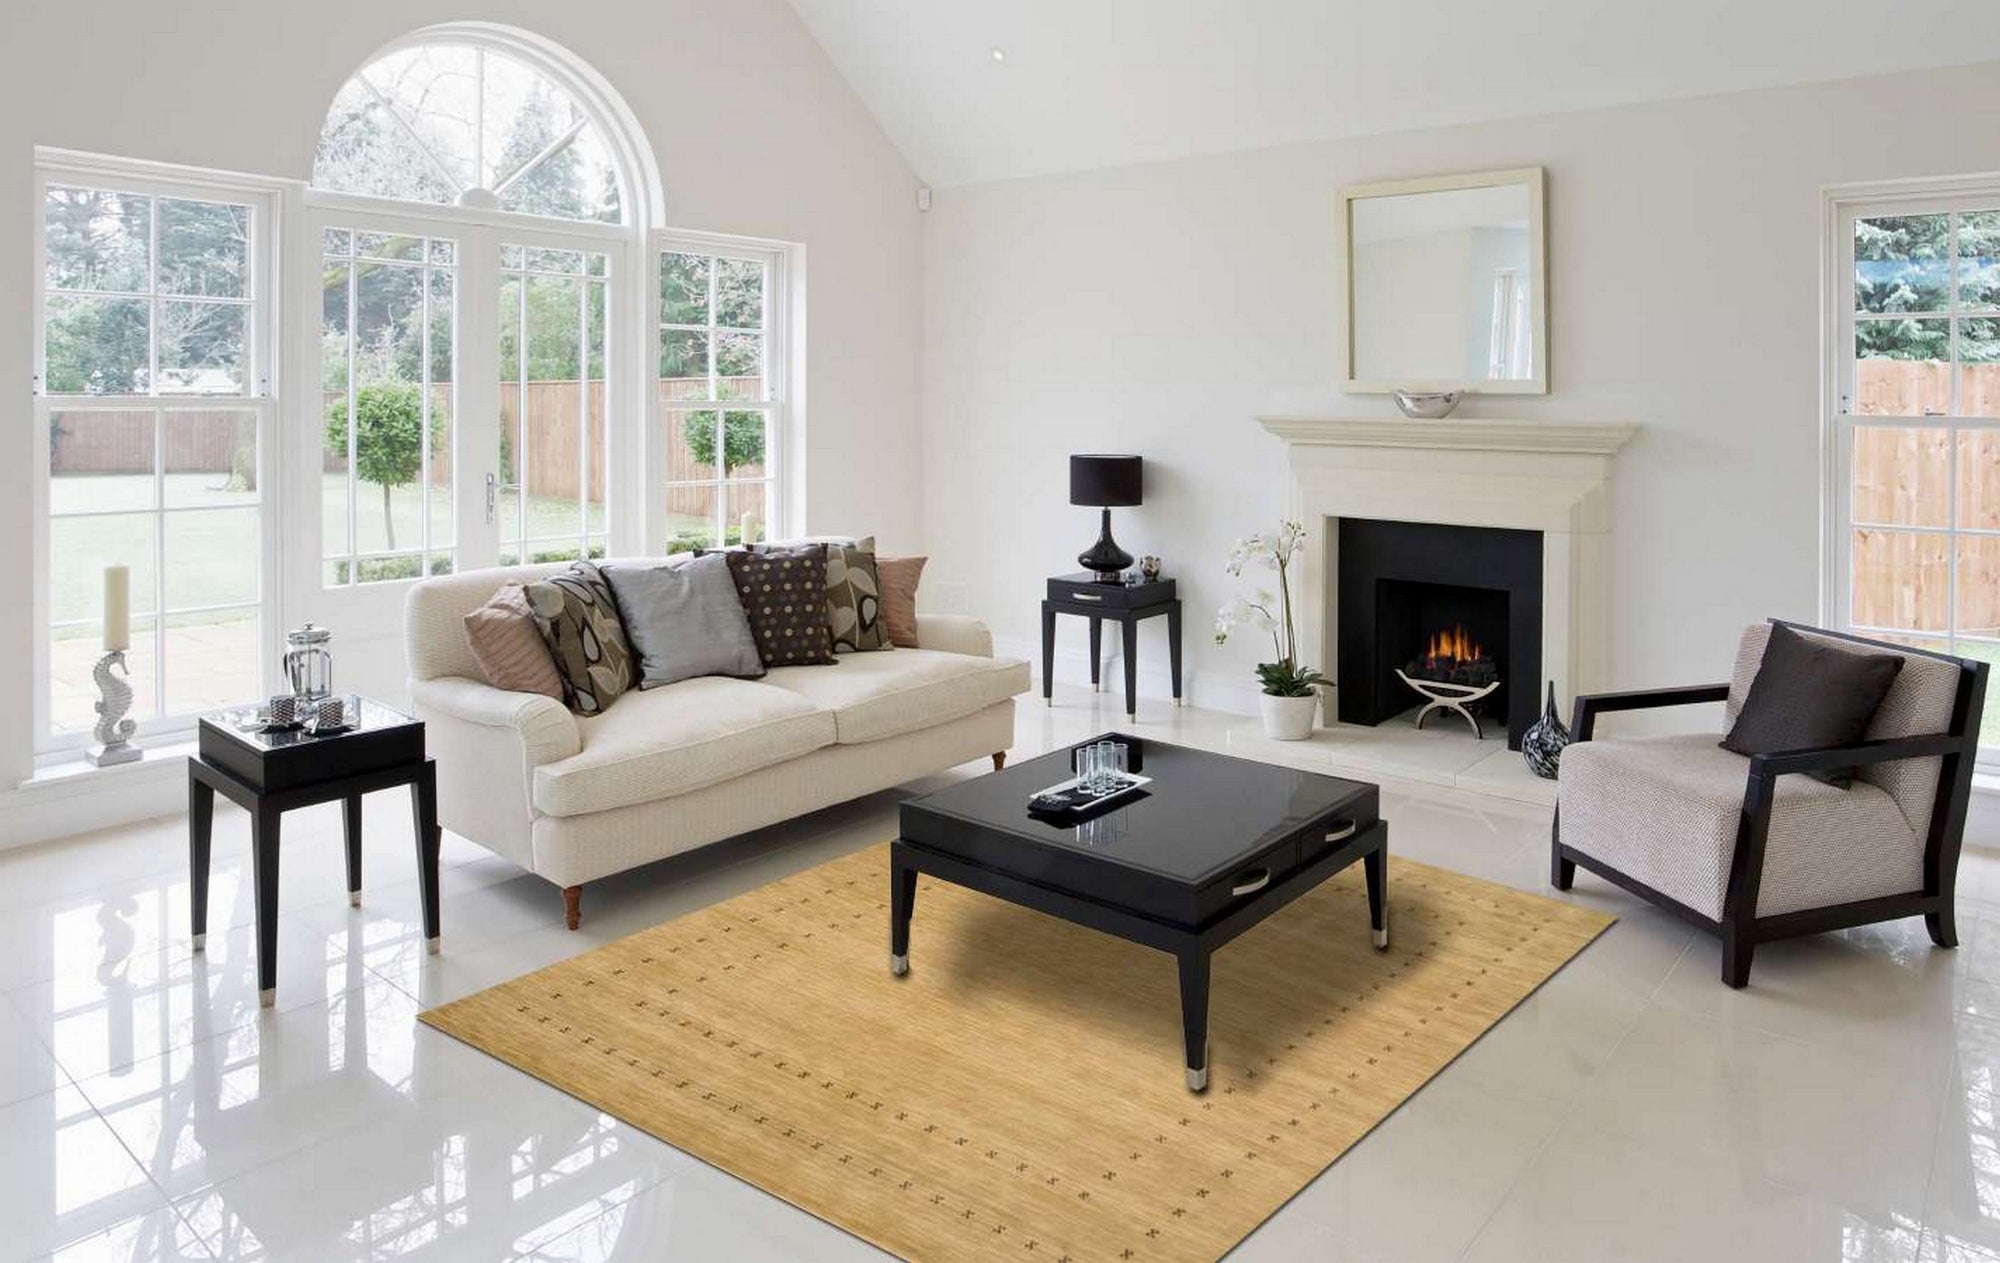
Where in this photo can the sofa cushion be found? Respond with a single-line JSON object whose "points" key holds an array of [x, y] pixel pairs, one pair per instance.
{"points": [[684, 620], [578, 617], [784, 595], [679, 737], [1808, 695], [1665, 810], [877, 695]]}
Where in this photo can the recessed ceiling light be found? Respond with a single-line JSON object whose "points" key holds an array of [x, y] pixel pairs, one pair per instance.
{"points": [[999, 54]]}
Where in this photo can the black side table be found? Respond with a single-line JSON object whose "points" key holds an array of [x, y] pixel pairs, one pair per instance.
{"points": [[269, 773], [1123, 603]]}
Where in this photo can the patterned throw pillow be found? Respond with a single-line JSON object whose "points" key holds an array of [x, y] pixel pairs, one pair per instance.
{"points": [[508, 646], [854, 599], [784, 595], [899, 577], [578, 617]]}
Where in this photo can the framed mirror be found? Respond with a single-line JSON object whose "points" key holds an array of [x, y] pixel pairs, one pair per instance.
{"points": [[1446, 284]]}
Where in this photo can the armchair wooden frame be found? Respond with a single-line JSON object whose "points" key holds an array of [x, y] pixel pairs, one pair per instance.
{"points": [[1740, 927]]}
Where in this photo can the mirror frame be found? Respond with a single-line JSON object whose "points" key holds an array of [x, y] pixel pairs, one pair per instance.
{"points": [[1533, 179]]}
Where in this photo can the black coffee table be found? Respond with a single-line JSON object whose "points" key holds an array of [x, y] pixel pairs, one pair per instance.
{"points": [[1213, 846]]}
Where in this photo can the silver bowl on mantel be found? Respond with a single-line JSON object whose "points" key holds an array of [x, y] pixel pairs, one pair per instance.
{"points": [[1426, 405]]}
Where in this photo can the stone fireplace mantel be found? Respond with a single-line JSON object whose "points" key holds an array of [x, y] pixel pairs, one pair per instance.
{"points": [[1547, 476]]}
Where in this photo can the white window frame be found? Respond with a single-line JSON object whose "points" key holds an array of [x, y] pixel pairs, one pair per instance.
{"points": [[261, 397], [1841, 206], [784, 375]]}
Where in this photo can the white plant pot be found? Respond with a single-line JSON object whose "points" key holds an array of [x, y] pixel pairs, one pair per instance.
{"points": [[1288, 718]]}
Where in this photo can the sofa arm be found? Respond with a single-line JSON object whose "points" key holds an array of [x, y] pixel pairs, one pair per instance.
{"points": [[954, 633], [546, 729]]}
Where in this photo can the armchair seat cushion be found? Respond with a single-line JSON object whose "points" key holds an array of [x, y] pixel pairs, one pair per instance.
{"points": [[1665, 811]]}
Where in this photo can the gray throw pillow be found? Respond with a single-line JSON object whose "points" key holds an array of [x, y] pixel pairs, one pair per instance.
{"points": [[684, 620]]}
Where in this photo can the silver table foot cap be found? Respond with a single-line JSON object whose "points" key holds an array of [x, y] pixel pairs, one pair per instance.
{"points": [[200, 941], [1381, 938], [353, 898], [898, 965], [1197, 1080], [1049, 701], [267, 997], [1177, 703], [1132, 716], [431, 945]]}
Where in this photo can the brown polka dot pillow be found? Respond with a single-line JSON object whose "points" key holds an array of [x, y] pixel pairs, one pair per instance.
{"points": [[783, 591]]}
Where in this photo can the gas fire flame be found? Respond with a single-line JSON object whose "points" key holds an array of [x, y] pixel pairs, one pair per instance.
{"points": [[1456, 645]]}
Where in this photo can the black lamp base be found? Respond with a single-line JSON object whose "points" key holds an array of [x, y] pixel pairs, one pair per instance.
{"points": [[1105, 556]]}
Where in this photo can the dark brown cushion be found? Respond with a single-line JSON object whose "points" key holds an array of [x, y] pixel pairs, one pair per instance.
{"points": [[784, 596], [1808, 696]]}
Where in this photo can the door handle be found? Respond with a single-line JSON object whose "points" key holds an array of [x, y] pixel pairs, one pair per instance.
{"points": [[1253, 885], [1341, 832], [492, 497]]}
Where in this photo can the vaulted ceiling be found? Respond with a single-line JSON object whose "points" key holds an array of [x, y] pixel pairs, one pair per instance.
{"points": [[1090, 83]]}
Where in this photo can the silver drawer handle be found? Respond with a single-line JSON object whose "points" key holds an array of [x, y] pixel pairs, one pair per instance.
{"points": [[1251, 887], [1085, 596], [1343, 833]]}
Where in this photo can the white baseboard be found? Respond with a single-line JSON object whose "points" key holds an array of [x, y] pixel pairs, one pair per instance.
{"points": [[1229, 693], [71, 798]]}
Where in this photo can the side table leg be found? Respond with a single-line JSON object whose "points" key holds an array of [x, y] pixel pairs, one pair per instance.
{"points": [[1131, 629], [350, 816], [201, 826], [423, 801], [1174, 648], [1048, 654], [1096, 655], [1375, 869], [1194, 1015], [902, 902], [264, 869]]}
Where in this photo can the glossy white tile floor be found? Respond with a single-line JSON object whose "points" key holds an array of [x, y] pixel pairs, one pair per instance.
{"points": [[1845, 1107]]}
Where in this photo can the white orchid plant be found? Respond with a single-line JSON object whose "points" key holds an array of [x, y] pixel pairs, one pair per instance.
{"points": [[1270, 612]]}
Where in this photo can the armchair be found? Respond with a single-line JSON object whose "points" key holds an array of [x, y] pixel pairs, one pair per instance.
{"points": [[1746, 848]]}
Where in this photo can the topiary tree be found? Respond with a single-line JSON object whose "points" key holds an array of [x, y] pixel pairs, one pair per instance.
{"points": [[742, 438], [388, 439]]}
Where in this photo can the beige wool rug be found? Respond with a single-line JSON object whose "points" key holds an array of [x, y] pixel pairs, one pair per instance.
{"points": [[1019, 1096]]}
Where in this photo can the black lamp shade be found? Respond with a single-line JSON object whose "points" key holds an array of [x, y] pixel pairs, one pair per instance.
{"points": [[1109, 481]]}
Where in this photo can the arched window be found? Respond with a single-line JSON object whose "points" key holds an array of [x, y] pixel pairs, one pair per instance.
{"points": [[467, 125]]}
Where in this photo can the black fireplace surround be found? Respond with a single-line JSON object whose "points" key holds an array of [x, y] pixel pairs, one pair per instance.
{"points": [[1398, 583]]}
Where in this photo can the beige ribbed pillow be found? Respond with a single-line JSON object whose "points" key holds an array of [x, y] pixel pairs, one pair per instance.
{"points": [[898, 576], [509, 647]]}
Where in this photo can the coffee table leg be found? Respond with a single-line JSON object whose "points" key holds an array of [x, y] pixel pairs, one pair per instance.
{"points": [[201, 824], [1375, 866], [902, 902], [1194, 1015]]}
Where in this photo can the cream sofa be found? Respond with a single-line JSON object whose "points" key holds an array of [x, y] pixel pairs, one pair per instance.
{"points": [[670, 769]]}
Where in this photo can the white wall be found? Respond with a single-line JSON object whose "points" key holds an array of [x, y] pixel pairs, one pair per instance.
{"points": [[753, 129], [1158, 309]]}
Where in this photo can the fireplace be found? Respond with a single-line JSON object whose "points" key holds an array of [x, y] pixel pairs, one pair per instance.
{"points": [[1430, 611]]}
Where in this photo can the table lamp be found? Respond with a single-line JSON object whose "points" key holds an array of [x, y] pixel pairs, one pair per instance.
{"points": [[1105, 482]]}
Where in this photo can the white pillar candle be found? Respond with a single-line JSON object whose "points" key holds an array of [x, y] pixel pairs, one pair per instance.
{"points": [[117, 608], [747, 531]]}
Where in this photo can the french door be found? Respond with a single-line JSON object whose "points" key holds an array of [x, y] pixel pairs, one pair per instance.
{"points": [[460, 401]]}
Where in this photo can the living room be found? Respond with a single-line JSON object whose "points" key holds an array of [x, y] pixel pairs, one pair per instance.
{"points": [[435, 829]]}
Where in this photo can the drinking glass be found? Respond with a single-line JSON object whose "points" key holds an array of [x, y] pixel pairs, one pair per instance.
{"points": [[1086, 768]]}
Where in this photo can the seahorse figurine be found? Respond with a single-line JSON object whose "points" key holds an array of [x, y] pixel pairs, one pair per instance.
{"points": [[115, 699]]}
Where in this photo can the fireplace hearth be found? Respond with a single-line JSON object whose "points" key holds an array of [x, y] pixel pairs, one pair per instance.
{"points": [[1446, 617]]}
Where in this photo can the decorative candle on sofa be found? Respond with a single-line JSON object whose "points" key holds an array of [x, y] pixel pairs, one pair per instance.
{"points": [[117, 608]]}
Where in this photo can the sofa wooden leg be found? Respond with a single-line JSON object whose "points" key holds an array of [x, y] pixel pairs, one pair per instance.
{"points": [[572, 905], [999, 759]]}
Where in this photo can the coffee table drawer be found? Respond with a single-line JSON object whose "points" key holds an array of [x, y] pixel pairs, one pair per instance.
{"points": [[1247, 882], [1338, 830]]}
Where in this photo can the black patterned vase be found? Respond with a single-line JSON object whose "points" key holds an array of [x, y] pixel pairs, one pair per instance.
{"points": [[1542, 744]]}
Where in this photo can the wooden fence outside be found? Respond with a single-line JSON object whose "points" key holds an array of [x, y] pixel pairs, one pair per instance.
{"points": [[222, 442]]}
